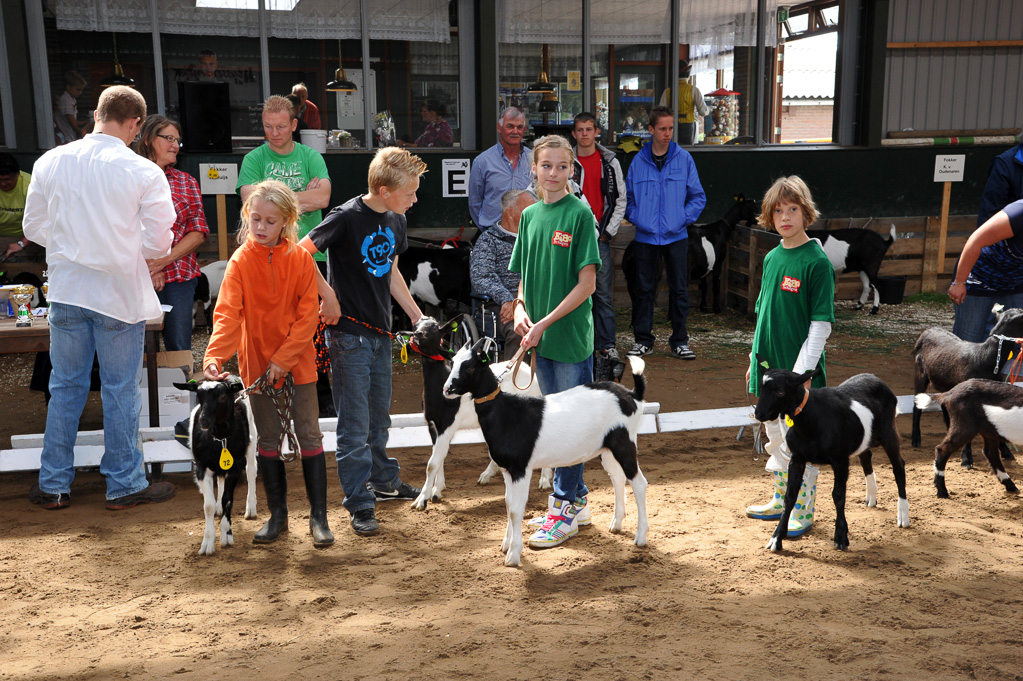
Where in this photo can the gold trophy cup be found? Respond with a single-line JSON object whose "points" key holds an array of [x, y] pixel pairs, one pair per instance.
{"points": [[22, 296]]}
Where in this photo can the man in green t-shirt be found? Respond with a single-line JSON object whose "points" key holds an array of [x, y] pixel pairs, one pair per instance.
{"points": [[13, 190]]}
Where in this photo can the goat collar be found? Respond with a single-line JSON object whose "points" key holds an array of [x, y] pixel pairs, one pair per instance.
{"points": [[806, 396], [487, 398], [412, 344]]}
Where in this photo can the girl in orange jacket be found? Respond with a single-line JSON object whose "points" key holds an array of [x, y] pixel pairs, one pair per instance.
{"points": [[268, 311]]}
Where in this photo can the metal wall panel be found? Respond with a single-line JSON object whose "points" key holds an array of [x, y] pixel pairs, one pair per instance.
{"points": [[954, 88]]}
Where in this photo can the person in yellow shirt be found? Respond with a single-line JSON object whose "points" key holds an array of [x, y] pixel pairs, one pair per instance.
{"points": [[690, 103], [13, 190]]}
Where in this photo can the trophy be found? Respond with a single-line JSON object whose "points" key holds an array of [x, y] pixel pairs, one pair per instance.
{"points": [[22, 295], [46, 292]]}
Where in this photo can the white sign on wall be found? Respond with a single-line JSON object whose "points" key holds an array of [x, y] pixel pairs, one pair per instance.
{"points": [[455, 177], [218, 178], [949, 168]]}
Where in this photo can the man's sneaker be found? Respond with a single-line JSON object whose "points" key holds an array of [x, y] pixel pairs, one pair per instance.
{"points": [[401, 491], [640, 350], [156, 493], [683, 352], [611, 353], [364, 522], [582, 516], [561, 525], [51, 502]]}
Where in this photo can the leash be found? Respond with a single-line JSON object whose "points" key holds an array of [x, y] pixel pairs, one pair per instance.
{"points": [[1016, 367], [282, 398], [513, 366]]}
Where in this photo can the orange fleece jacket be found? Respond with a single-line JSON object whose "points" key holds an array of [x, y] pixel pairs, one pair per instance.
{"points": [[268, 310]]}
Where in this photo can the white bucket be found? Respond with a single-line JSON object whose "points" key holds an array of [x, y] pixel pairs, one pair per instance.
{"points": [[315, 139]]}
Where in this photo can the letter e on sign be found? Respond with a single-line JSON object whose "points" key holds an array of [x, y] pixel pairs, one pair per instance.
{"points": [[455, 177], [949, 168]]}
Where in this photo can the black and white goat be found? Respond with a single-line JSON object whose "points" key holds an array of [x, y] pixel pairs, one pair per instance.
{"points": [[562, 429], [944, 361], [857, 250], [708, 245], [436, 275], [830, 426], [222, 437], [991, 409], [446, 417]]}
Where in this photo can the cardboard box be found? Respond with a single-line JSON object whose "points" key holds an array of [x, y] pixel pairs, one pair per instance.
{"points": [[174, 404]]}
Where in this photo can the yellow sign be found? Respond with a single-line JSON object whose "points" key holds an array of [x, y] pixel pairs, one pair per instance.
{"points": [[575, 81]]}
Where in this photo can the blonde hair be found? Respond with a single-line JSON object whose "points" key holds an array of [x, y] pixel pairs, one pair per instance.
{"points": [[544, 144], [790, 189], [282, 198], [279, 104], [393, 167]]}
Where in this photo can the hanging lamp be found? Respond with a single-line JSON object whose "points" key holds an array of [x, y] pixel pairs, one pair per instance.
{"points": [[117, 77], [543, 85], [340, 82]]}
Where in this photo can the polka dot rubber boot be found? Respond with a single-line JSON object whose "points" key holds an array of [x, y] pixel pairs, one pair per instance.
{"points": [[801, 519], [773, 508]]}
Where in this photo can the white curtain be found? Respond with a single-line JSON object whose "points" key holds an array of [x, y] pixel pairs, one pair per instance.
{"points": [[416, 20]]}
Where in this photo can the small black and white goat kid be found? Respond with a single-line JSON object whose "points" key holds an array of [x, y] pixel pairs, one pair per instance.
{"points": [[563, 429], [991, 409], [829, 426], [222, 437]]}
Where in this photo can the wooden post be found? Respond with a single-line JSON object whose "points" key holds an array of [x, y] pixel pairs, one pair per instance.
{"points": [[943, 234], [751, 298], [929, 275], [222, 226]]}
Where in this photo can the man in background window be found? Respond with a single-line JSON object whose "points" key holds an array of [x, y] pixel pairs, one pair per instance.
{"points": [[690, 103], [311, 114]]}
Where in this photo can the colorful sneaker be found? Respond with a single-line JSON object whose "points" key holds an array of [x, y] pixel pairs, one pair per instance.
{"points": [[401, 492], [558, 528], [640, 350], [683, 352], [582, 516]]}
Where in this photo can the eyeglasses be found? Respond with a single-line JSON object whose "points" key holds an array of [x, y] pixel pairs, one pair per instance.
{"points": [[172, 139]]}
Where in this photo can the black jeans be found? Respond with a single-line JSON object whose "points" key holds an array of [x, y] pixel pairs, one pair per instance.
{"points": [[648, 258]]}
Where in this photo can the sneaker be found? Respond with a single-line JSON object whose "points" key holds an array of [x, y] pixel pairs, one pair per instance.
{"points": [[683, 352], [582, 516], [640, 350], [364, 522], [558, 528], [611, 353], [50, 502], [156, 493], [401, 492]]}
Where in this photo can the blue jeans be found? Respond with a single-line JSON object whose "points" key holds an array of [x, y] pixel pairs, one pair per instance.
{"points": [[177, 324], [361, 372], [75, 335], [603, 307], [676, 259], [554, 377], [974, 319]]}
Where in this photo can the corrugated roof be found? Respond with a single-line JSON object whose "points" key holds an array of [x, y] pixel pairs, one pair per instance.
{"points": [[810, 68]]}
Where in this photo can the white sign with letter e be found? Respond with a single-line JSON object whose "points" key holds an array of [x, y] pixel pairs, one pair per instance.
{"points": [[950, 168], [455, 177], [218, 178]]}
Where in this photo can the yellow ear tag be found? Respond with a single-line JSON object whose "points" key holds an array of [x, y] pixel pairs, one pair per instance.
{"points": [[788, 421], [1010, 354], [404, 353], [226, 460]]}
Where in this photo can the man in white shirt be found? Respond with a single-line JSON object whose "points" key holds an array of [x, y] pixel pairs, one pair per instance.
{"points": [[100, 210]]}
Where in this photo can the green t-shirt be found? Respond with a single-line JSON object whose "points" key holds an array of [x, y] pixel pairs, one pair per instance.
{"points": [[798, 287], [296, 170], [556, 241], [12, 206]]}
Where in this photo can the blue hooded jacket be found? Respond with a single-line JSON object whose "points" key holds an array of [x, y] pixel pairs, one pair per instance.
{"points": [[1004, 183], [662, 203]]}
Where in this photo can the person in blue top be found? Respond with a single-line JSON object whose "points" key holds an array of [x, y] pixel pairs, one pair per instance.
{"points": [[1004, 183], [664, 197], [505, 166]]}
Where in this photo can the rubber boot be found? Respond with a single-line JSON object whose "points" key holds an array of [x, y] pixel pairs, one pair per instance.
{"points": [[801, 519], [275, 483], [772, 509], [315, 472]]}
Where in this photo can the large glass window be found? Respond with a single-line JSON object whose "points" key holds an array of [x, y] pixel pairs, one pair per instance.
{"points": [[805, 86]]}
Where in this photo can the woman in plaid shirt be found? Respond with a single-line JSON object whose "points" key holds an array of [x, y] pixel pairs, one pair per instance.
{"points": [[175, 276]]}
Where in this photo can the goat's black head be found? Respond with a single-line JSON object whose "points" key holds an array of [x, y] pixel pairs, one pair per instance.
{"points": [[1009, 322], [781, 392], [216, 402], [432, 338], [747, 209], [467, 366]]}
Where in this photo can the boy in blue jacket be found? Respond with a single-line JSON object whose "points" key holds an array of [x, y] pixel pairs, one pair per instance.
{"points": [[664, 196]]}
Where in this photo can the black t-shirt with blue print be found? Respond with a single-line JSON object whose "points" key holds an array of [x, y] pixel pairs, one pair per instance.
{"points": [[999, 269], [361, 245]]}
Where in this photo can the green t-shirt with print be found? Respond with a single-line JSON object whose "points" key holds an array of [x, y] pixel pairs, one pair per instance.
{"points": [[798, 287], [296, 170], [555, 242], [12, 207]]}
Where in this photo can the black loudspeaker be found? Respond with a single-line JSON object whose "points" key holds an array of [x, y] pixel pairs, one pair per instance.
{"points": [[205, 116]]}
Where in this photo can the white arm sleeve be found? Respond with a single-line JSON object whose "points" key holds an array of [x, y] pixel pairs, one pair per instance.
{"points": [[813, 346]]}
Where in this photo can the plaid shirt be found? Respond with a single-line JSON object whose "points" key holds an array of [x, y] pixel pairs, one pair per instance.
{"points": [[191, 218]]}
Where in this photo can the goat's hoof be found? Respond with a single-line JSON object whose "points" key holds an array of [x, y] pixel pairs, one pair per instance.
{"points": [[773, 544], [419, 504], [943, 494], [1010, 487], [484, 479], [842, 547], [207, 548], [436, 497], [512, 559], [250, 515], [1008, 456], [968, 465], [874, 310], [615, 527], [915, 442]]}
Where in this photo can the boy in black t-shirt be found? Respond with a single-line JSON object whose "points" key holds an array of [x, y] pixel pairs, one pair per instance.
{"points": [[362, 239]]}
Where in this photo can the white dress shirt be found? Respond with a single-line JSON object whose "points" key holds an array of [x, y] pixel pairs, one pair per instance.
{"points": [[100, 210]]}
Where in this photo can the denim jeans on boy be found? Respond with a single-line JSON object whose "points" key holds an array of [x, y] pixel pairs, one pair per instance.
{"points": [[75, 335], [974, 319], [177, 324], [361, 372], [648, 257], [554, 377], [603, 308]]}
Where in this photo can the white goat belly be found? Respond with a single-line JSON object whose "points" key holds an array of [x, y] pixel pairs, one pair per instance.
{"points": [[421, 287], [867, 419], [837, 252], [1009, 422], [708, 249]]}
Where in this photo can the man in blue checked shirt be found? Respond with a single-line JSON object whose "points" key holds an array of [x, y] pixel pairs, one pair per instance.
{"points": [[501, 168]]}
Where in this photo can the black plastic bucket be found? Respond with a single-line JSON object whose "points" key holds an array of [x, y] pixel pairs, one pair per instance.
{"points": [[891, 289]]}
